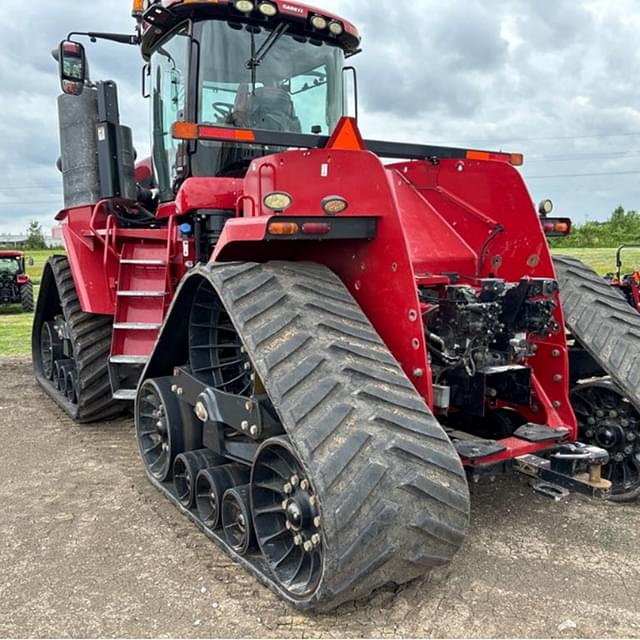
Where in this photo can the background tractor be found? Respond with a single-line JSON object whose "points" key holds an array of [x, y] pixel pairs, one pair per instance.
{"points": [[321, 346], [15, 285]]}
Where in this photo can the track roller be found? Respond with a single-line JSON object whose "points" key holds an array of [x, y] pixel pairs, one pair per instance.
{"points": [[50, 349], [211, 485], [236, 520], [185, 471], [158, 427]]}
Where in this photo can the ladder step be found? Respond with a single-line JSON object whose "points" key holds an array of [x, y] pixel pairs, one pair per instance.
{"points": [[137, 326], [142, 294], [125, 394], [128, 359], [143, 263]]}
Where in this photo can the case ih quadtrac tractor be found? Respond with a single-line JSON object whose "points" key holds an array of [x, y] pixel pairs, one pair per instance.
{"points": [[324, 336], [15, 285]]}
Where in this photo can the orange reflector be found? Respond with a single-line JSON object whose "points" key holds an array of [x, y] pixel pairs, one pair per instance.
{"points": [[138, 8], [184, 130], [346, 136], [556, 227], [283, 228], [516, 159]]}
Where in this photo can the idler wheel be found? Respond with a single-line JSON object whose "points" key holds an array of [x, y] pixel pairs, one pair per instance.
{"points": [[158, 427]]}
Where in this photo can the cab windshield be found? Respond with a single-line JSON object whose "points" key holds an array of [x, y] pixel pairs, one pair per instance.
{"points": [[294, 86], [9, 265]]}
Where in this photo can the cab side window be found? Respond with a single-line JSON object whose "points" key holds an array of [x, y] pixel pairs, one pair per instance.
{"points": [[169, 67]]}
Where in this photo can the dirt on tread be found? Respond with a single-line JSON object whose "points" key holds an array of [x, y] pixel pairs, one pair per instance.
{"points": [[393, 492]]}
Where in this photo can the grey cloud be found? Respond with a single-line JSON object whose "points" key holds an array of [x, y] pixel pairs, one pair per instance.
{"points": [[533, 76]]}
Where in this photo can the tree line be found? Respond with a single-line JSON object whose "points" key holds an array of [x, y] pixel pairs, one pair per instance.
{"points": [[623, 227]]}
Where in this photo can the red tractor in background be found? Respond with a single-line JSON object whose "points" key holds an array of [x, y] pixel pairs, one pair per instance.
{"points": [[15, 285], [321, 347]]}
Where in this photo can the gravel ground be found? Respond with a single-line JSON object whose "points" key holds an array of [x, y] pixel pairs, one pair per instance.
{"points": [[88, 548]]}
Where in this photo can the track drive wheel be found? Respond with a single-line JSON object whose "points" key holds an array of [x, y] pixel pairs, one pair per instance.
{"points": [[62, 331], [364, 488], [608, 420], [158, 427]]}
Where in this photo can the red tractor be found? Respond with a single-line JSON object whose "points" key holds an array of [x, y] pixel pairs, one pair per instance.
{"points": [[15, 285], [321, 347]]}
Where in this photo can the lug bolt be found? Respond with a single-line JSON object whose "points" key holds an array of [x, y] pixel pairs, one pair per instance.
{"points": [[247, 366], [600, 413], [244, 425], [308, 546], [254, 431], [557, 404], [315, 539], [628, 450], [624, 423], [248, 406], [313, 501], [297, 540], [555, 353], [284, 505], [295, 481], [180, 391], [591, 420], [590, 433], [418, 373], [557, 378], [304, 485], [613, 414], [243, 350], [631, 437], [165, 446], [159, 424], [288, 525], [174, 388], [619, 457], [288, 488], [316, 522]]}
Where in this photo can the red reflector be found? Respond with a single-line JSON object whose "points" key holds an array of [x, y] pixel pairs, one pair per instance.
{"points": [[22, 279], [316, 228], [220, 133]]}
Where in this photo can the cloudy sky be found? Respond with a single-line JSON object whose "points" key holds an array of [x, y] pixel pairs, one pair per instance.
{"points": [[556, 79]]}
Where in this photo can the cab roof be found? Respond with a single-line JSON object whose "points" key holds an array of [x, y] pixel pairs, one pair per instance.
{"points": [[11, 253], [294, 12]]}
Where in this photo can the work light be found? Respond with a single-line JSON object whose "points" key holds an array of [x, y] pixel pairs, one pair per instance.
{"points": [[278, 201], [319, 22], [336, 28], [244, 6], [267, 9]]}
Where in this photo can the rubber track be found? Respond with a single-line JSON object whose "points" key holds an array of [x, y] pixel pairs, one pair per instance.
{"points": [[393, 492], [603, 322], [26, 297], [91, 338]]}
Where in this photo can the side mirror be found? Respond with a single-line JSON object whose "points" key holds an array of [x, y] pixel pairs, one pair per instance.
{"points": [[73, 67]]}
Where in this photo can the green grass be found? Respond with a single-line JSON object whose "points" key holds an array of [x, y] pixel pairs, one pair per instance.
{"points": [[15, 326], [604, 260]]}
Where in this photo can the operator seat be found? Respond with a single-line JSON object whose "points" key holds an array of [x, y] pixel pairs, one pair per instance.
{"points": [[271, 108]]}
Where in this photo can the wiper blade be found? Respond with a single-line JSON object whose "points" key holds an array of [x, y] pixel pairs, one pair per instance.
{"points": [[258, 57]]}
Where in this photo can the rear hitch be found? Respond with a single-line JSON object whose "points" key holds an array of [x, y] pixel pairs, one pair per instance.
{"points": [[571, 467]]}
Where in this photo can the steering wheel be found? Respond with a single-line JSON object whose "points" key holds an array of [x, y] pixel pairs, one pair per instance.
{"points": [[223, 109]]}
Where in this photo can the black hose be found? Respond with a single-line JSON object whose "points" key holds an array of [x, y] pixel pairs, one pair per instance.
{"points": [[630, 496]]}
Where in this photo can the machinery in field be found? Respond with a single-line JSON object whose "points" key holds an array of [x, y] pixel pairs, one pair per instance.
{"points": [[15, 285], [321, 347], [627, 283]]}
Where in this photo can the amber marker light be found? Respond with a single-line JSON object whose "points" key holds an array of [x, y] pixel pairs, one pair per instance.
{"points": [[283, 228], [184, 130]]}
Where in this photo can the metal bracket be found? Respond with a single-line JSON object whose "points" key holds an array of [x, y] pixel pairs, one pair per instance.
{"points": [[550, 490]]}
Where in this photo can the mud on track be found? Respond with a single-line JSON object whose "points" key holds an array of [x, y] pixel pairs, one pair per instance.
{"points": [[89, 548]]}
